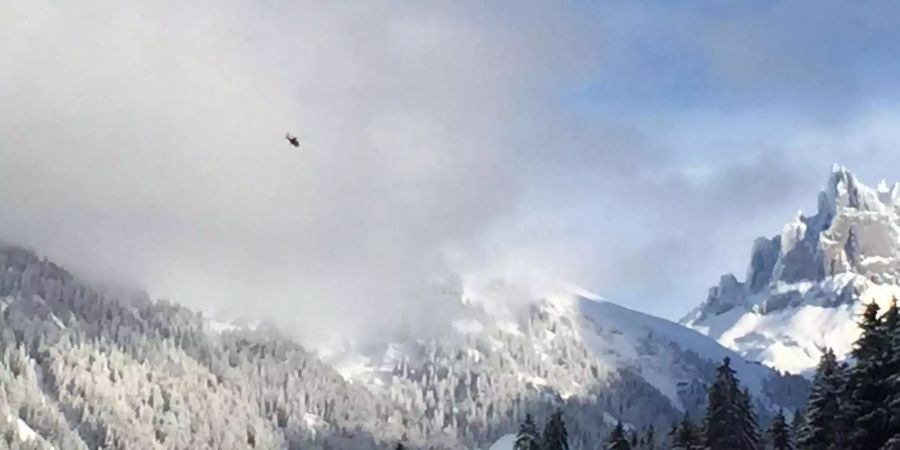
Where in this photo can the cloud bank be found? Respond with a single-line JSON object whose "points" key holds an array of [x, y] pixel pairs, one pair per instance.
{"points": [[634, 150]]}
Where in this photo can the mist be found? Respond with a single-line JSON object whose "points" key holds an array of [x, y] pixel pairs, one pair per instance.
{"points": [[145, 143]]}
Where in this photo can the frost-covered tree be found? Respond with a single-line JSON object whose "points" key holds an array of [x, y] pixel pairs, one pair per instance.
{"points": [[617, 439], [686, 436], [866, 414], [891, 326], [528, 437], [798, 420], [555, 436], [820, 429], [650, 438], [750, 435], [780, 433], [730, 421]]}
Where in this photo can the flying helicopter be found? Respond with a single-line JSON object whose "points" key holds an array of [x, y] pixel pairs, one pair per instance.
{"points": [[292, 139]]}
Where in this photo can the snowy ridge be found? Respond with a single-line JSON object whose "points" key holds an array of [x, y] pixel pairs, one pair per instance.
{"points": [[637, 330], [805, 287], [568, 346]]}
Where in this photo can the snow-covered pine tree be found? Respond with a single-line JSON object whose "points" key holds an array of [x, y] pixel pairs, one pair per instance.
{"points": [[673, 434], [843, 423], [730, 421], [780, 433], [528, 437], [750, 435], [721, 414], [617, 439], [891, 326], [650, 439], [555, 435], [867, 414], [686, 436], [820, 427], [797, 422]]}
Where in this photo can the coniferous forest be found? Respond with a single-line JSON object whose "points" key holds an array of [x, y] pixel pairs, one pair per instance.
{"points": [[851, 407], [86, 372]]}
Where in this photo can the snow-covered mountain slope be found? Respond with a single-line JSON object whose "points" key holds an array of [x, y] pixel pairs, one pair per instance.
{"points": [[601, 362], [805, 287], [81, 369]]}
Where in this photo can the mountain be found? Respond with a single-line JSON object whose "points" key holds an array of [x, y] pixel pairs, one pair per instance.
{"points": [[562, 347], [805, 288], [84, 368]]}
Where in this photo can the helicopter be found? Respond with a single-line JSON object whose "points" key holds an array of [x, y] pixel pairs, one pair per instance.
{"points": [[293, 140]]}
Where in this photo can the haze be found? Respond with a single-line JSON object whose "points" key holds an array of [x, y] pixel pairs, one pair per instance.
{"points": [[635, 150]]}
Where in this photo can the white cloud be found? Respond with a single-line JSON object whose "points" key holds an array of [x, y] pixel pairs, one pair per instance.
{"points": [[146, 141]]}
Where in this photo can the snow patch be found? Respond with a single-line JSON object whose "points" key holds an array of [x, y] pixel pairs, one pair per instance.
{"points": [[506, 442], [221, 327], [468, 326], [313, 423], [611, 421], [57, 322], [351, 366], [23, 432]]}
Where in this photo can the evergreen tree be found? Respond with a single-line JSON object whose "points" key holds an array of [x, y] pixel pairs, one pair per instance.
{"points": [[750, 435], [820, 429], [617, 440], [686, 436], [634, 439], [797, 422], [555, 435], [730, 422], [650, 438], [780, 434], [673, 433], [528, 437], [400, 446], [867, 415], [843, 423], [891, 325]]}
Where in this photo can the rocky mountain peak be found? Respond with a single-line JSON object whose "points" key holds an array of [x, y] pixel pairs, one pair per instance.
{"points": [[846, 254]]}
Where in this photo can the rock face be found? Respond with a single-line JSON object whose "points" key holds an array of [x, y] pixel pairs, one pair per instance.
{"points": [[804, 286]]}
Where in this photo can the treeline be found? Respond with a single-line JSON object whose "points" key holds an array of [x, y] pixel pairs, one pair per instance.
{"points": [[851, 407], [858, 407]]}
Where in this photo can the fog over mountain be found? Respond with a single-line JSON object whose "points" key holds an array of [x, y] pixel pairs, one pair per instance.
{"points": [[82, 368], [142, 144], [491, 210]]}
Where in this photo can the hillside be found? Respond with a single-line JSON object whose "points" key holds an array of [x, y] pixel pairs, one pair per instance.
{"points": [[82, 368]]}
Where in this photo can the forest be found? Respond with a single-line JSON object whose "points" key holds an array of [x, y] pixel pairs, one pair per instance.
{"points": [[81, 368], [851, 407]]}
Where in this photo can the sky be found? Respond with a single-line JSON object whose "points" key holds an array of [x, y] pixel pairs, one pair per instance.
{"points": [[633, 148]]}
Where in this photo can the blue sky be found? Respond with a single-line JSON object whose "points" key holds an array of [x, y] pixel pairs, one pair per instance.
{"points": [[636, 148]]}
